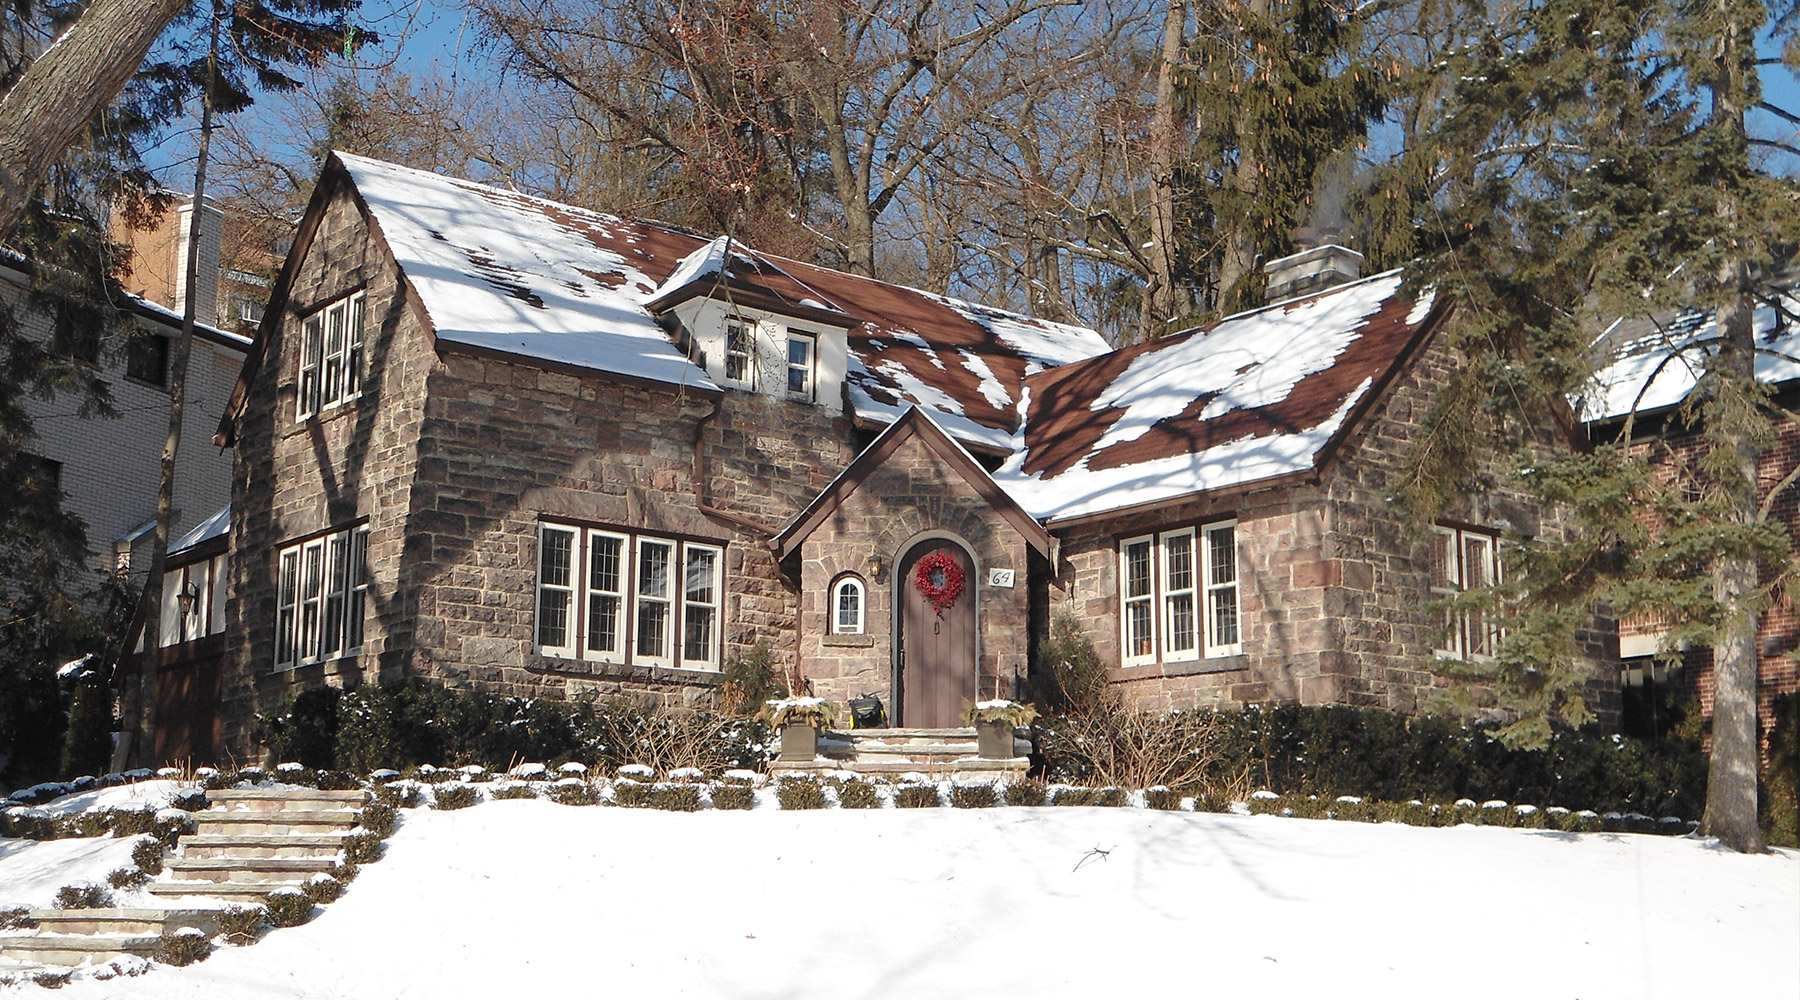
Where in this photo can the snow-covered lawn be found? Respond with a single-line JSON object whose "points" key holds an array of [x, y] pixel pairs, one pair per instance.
{"points": [[529, 898], [31, 871]]}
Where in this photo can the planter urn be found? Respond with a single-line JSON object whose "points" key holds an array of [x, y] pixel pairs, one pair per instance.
{"points": [[799, 742], [995, 740]]}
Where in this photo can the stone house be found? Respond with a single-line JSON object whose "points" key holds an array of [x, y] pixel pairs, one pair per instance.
{"points": [[489, 439], [1654, 366]]}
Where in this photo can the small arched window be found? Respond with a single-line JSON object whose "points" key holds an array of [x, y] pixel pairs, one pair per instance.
{"points": [[847, 606]]}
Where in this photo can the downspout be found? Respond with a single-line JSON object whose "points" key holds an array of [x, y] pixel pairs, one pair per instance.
{"points": [[700, 480]]}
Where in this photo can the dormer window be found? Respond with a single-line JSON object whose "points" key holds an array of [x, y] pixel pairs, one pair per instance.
{"points": [[801, 352], [738, 347], [331, 357]]}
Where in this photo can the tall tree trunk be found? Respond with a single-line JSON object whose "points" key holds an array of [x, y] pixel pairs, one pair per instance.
{"points": [[1159, 306], [1731, 775], [1237, 234], [140, 712], [67, 85]]}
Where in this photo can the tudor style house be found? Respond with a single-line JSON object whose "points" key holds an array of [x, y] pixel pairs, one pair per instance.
{"points": [[488, 439]]}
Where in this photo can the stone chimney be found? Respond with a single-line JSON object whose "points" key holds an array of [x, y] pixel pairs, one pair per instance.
{"points": [[212, 234], [1311, 270]]}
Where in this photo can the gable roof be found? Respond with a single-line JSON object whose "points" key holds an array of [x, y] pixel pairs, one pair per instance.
{"points": [[1656, 362], [501, 271], [915, 424], [1255, 396]]}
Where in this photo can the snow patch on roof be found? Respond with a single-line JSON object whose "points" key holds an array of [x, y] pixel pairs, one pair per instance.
{"points": [[1042, 343], [708, 260], [990, 387], [518, 274], [1082, 490], [213, 527], [1640, 365], [960, 428]]}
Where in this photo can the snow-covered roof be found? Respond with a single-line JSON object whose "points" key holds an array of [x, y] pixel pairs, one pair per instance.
{"points": [[1254, 396], [543, 280], [1657, 362], [213, 527]]}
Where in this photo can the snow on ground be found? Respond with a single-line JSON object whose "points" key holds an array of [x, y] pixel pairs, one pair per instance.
{"points": [[32, 870], [528, 898], [138, 795]]}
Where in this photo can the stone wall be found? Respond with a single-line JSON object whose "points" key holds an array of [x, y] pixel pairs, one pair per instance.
{"points": [[911, 496], [297, 478]]}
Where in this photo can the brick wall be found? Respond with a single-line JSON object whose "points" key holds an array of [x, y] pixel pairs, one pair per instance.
{"points": [[911, 496]]}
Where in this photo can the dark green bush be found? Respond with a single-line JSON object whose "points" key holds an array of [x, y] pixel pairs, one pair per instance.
{"points": [[362, 848], [749, 681], [456, 796], [147, 854], [182, 947], [83, 896], [242, 924], [1355, 812], [1162, 798], [516, 790], [125, 878], [1212, 801], [289, 907], [323, 888], [16, 918], [973, 796], [346, 871], [859, 795], [399, 796], [800, 792], [916, 797], [733, 797], [131, 822], [675, 796], [631, 794], [379, 819], [1025, 792], [1075, 795], [1780, 798], [1111, 798], [574, 792]]}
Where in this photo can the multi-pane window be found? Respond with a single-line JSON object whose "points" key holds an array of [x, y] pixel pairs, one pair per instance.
{"points": [[193, 605], [1179, 595], [1464, 559], [800, 351], [614, 597], [321, 596], [847, 606], [331, 356], [147, 358], [738, 347]]}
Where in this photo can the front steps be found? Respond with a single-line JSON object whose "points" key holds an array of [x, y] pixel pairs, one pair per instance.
{"points": [[903, 751], [250, 843]]}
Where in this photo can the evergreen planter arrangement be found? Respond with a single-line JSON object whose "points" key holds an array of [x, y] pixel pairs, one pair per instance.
{"points": [[799, 720], [994, 723]]}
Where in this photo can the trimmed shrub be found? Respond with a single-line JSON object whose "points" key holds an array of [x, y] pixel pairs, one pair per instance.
{"points": [[83, 896], [1111, 798], [574, 792], [323, 888], [182, 947], [675, 796], [242, 924], [147, 854], [1162, 798], [1075, 795], [346, 871], [1026, 792], [125, 878], [1211, 801], [800, 792], [132, 822], [1780, 798], [379, 819], [16, 918], [733, 797], [289, 907], [973, 796], [916, 797], [631, 794], [457, 796], [399, 795], [859, 795], [192, 801], [514, 790], [362, 848]]}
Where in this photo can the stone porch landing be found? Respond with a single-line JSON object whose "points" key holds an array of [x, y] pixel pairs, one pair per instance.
{"points": [[899, 751]]}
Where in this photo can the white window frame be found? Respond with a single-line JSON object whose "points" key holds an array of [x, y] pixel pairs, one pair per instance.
{"points": [[621, 594], [1213, 588], [1455, 637], [550, 589], [747, 328], [691, 605], [839, 626], [1171, 592], [808, 368], [332, 357], [643, 601], [1128, 600], [300, 638]]}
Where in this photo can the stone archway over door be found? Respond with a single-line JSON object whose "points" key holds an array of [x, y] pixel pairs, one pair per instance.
{"points": [[937, 648]]}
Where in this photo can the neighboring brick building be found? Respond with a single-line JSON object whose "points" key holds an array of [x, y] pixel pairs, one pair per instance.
{"points": [[1645, 379], [488, 439]]}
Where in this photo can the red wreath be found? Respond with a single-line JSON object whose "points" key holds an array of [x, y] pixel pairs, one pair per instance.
{"points": [[940, 578]]}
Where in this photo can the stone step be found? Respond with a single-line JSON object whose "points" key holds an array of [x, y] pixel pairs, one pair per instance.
{"points": [[251, 845], [75, 949], [285, 799], [117, 920], [248, 869], [1012, 768], [899, 735], [241, 893], [274, 824], [917, 751]]}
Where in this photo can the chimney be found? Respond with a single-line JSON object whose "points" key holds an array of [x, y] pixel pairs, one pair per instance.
{"points": [[1311, 270], [212, 234]]}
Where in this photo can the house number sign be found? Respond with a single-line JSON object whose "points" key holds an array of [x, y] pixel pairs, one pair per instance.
{"points": [[1000, 578]]}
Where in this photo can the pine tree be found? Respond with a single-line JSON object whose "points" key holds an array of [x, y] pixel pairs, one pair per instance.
{"points": [[1594, 162]]}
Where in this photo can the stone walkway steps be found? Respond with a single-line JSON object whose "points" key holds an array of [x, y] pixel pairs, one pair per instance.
{"points": [[76, 949]]}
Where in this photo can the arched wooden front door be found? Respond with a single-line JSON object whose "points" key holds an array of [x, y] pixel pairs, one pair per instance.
{"points": [[937, 646]]}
